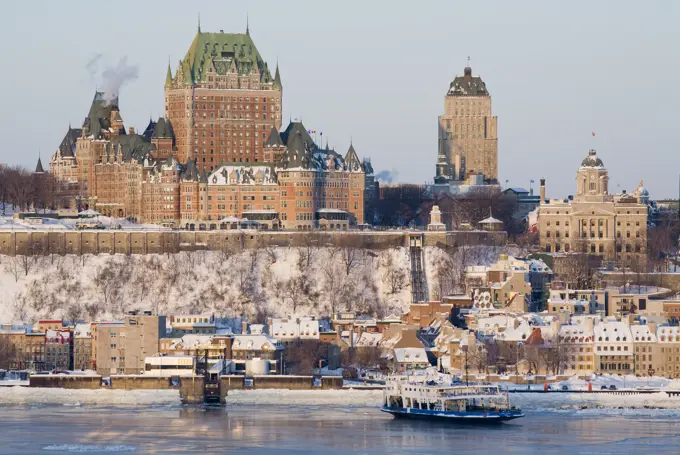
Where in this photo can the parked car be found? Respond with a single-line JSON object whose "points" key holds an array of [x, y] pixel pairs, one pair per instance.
{"points": [[60, 372], [604, 387], [564, 388], [612, 387]]}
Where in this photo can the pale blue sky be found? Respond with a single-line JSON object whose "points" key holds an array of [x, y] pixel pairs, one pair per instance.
{"points": [[377, 71]]}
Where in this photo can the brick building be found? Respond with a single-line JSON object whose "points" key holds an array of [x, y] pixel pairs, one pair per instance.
{"points": [[217, 160], [222, 100]]}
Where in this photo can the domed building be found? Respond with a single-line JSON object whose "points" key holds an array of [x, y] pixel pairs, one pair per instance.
{"points": [[593, 221]]}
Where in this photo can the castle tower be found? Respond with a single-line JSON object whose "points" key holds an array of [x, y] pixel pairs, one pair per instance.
{"points": [[468, 133], [222, 101]]}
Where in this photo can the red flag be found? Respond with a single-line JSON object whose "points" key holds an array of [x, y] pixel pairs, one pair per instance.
{"points": [[593, 133]]}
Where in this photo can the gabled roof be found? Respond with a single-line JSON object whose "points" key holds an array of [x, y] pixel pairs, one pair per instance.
{"points": [[191, 173], [99, 117], [352, 162], [297, 127], [274, 139], [132, 146], [67, 148], [297, 153]]}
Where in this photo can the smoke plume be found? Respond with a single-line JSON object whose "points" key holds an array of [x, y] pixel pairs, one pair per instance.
{"points": [[92, 66], [386, 176], [114, 77]]}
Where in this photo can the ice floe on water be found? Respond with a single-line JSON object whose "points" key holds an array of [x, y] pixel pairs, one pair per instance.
{"points": [[80, 448], [83, 397]]}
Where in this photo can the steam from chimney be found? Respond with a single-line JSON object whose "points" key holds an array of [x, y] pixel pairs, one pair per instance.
{"points": [[92, 66], [114, 77], [386, 176]]}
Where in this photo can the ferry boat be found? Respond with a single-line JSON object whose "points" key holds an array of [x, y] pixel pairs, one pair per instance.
{"points": [[433, 400]]}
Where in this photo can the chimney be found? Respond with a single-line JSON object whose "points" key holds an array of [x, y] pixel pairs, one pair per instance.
{"points": [[542, 191], [132, 130], [269, 325], [244, 327]]}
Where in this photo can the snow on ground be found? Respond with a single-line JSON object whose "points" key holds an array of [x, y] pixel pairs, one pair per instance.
{"points": [[9, 223], [78, 397], [278, 281]]}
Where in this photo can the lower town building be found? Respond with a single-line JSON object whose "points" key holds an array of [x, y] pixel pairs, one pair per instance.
{"points": [[122, 346], [257, 347], [82, 347], [59, 350]]}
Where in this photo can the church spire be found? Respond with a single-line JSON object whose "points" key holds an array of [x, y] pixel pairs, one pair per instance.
{"points": [[199, 22], [247, 25]]}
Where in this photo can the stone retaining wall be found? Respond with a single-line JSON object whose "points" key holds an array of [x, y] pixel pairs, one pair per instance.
{"points": [[160, 242]]}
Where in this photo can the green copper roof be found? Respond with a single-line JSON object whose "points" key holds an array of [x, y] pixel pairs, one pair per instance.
{"points": [[224, 51], [168, 77], [277, 78]]}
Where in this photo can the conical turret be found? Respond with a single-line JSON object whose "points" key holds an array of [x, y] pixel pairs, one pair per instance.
{"points": [[277, 78], [168, 77]]}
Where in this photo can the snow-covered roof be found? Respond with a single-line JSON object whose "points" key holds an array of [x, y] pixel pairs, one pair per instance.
{"points": [[83, 330], [491, 220], [260, 211], [411, 355], [191, 341], [235, 174], [642, 333], [572, 333], [327, 210], [519, 333], [370, 339], [57, 336], [255, 343], [612, 332], [666, 334]]}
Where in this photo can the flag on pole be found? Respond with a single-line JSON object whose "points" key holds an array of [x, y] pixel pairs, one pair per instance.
{"points": [[311, 131], [593, 133], [531, 181]]}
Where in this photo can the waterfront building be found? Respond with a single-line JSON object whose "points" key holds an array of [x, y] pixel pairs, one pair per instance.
{"points": [[82, 347], [122, 346], [59, 350]]}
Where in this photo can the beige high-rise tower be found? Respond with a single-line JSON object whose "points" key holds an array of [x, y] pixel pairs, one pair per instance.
{"points": [[468, 134]]}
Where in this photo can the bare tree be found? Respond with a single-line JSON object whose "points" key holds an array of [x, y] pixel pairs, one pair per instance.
{"points": [[13, 266], [9, 355], [394, 277]]}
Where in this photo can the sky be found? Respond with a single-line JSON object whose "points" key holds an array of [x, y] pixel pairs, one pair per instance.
{"points": [[376, 73]]}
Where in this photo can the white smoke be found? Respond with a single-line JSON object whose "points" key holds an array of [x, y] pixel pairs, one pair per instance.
{"points": [[386, 176], [114, 77]]}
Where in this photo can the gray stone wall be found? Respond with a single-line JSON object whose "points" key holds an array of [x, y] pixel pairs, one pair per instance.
{"points": [[162, 242]]}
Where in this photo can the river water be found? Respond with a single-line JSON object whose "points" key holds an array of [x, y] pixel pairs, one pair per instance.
{"points": [[331, 430]]}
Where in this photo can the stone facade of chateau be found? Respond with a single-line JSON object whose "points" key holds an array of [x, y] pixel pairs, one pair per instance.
{"points": [[218, 159]]}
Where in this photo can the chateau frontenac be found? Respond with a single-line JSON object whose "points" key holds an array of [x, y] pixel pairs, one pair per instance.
{"points": [[219, 156]]}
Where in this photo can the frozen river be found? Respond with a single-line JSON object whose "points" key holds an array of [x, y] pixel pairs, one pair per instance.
{"points": [[329, 430]]}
